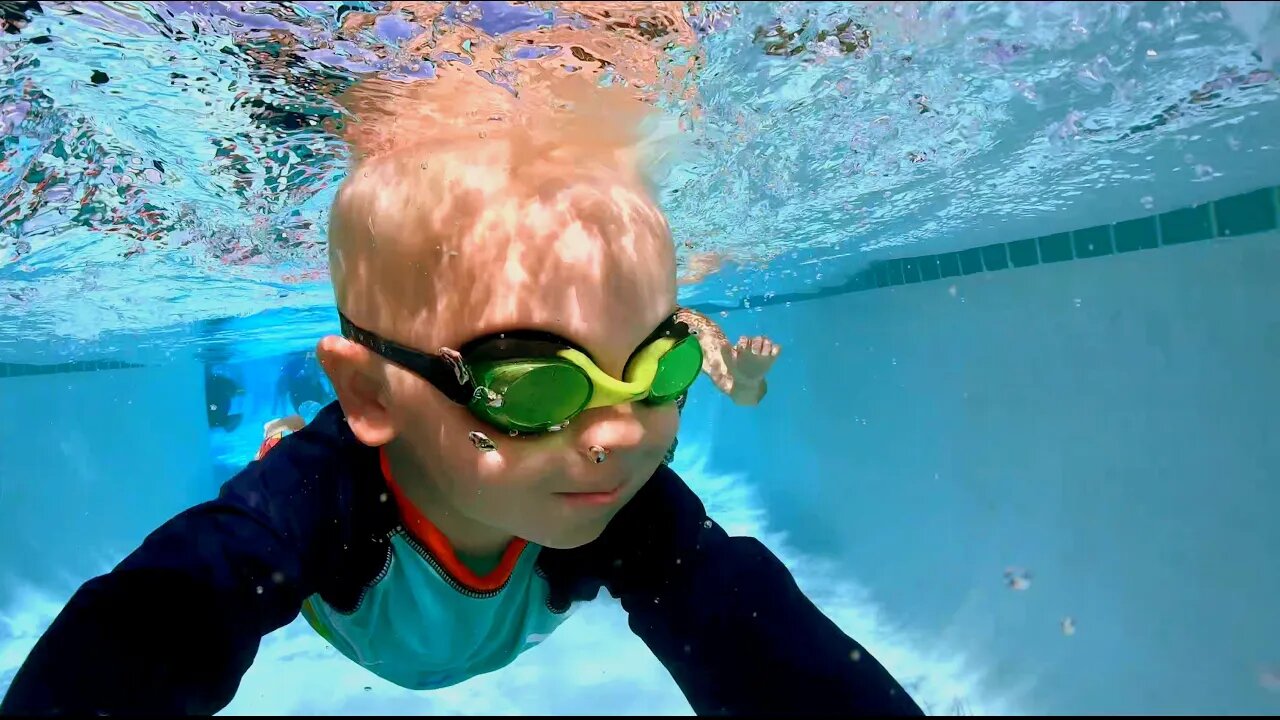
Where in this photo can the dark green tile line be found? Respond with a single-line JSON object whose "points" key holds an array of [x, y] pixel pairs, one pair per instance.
{"points": [[1244, 214], [11, 370]]}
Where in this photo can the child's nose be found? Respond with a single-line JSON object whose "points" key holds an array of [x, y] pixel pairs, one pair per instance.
{"points": [[613, 428]]}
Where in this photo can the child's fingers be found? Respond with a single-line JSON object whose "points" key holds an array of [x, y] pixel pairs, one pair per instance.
{"points": [[757, 344]]}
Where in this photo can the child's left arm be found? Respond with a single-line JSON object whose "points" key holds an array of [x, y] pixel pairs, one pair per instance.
{"points": [[723, 614], [737, 370]]}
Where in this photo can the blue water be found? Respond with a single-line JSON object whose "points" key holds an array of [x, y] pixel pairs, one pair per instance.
{"points": [[1105, 424]]}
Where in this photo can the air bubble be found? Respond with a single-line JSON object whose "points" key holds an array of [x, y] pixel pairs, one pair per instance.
{"points": [[598, 454], [490, 398], [707, 524], [481, 441], [1068, 626], [1148, 202]]}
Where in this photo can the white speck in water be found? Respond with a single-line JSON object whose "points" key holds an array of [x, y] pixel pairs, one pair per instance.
{"points": [[724, 313], [1076, 301], [1068, 626], [513, 433], [707, 524], [1151, 53], [259, 589], [1203, 172], [952, 290], [788, 303], [556, 428], [481, 441], [1233, 142], [1017, 578], [382, 497], [855, 655], [1148, 202], [213, 407]]}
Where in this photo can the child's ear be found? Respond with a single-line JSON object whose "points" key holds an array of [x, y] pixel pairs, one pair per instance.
{"points": [[361, 388]]}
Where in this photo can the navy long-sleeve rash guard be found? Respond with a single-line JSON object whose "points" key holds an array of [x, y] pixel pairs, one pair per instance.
{"points": [[176, 624]]}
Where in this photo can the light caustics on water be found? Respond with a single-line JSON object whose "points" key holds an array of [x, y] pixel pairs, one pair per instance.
{"points": [[164, 164]]}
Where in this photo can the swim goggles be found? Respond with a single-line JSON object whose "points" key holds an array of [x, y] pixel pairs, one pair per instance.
{"points": [[528, 382]]}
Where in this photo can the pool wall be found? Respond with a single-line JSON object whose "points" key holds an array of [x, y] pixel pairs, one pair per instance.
{"points": [[92, 461], [1107, 424]]}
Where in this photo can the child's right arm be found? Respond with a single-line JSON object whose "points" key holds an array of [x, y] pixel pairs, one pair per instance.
{"points": [[177, 623]]}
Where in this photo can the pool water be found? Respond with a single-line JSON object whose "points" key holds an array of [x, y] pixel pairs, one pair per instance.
{"points": [[1021, 257]]}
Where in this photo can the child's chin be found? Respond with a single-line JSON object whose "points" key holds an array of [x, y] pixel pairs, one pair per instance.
{"points": [[568, 538]]}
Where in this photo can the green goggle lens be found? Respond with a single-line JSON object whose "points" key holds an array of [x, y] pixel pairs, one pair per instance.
{"points": [[538, 394], [677, 369], [531, 395]]}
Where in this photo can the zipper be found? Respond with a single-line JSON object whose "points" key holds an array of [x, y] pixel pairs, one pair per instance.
{"points": [[537, 570], [386, 567], [435, 564], [444, 574]]}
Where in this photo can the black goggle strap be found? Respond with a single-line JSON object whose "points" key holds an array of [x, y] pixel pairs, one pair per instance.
{"points": [[433, 368], [455, 381]]}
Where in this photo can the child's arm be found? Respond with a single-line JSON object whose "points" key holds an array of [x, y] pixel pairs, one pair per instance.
{"points": [[176, 624], [725, 616], [737, 370]]}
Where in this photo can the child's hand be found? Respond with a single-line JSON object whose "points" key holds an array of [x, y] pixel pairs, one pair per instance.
{"points": [[750, 359]]}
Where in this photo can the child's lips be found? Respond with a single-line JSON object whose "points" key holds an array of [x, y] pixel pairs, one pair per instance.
{"points": [[592, 498]]}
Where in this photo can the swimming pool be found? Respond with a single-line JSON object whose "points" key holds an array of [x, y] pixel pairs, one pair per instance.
{"points": [[1020, 256]]}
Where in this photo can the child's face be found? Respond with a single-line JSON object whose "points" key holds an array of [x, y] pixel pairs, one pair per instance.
{"points": [[590, 262]]}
